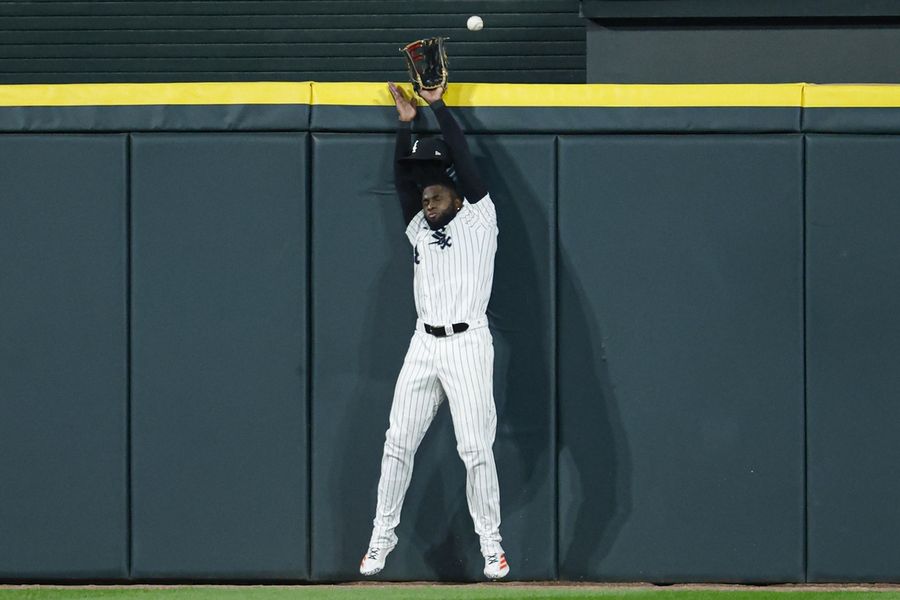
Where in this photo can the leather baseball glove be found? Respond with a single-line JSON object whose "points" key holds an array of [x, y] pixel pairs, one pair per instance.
{"points": [[427, 63]]}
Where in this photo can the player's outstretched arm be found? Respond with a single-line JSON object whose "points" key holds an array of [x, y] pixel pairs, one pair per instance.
{"points": [[406, 186], [470, 181]]}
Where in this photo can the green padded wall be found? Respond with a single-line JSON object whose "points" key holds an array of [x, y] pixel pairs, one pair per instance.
{"points": [[681, 454], [63, 357], [181, 263], [853, 340], [219, 336]]}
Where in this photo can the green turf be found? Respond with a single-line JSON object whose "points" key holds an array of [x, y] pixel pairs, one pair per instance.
{"points": [[428, 592]]}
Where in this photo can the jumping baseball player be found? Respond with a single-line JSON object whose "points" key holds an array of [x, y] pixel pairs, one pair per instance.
{"points": [[453, 231]]}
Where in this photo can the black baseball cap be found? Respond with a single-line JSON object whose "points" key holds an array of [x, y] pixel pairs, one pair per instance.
{"points": [[431, 149]]}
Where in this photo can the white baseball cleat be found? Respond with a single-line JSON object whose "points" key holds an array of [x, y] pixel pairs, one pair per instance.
{"points": [[373, 560], [495, 565]]}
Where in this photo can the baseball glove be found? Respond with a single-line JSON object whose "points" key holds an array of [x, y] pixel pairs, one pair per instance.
{"points": [[427, 63]]}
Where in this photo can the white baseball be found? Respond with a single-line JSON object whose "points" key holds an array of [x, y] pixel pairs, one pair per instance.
{"points": [[474, 23]]}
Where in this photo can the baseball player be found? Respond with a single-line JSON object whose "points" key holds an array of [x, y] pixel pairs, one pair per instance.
{"points": [[453, 231]]}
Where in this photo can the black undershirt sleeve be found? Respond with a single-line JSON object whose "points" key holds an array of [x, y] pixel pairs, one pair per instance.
{"points": [[470, 181], [407, 189]]}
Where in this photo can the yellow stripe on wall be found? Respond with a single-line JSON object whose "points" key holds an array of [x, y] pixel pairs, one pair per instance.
{"points": [[572, 95], [134, 94], [459, 94], [851, 96], [357, 94], [608, 95]]}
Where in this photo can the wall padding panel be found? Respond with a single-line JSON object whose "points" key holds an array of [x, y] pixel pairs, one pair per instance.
{"points": [[853, 340], [63, 357], [363, 318], [219, 382], [680, 358]]}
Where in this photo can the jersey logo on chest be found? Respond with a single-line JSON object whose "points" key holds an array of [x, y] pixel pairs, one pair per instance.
{"points": [[441, 239]]}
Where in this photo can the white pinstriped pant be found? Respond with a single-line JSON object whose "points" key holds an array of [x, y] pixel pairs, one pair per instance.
{"points": [[460, 368]]}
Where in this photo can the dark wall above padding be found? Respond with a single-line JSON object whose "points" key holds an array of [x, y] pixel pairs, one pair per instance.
{"points": [[219, 335], [771, 51], [284, 40], [693, 10], [63, 357], [681, 453]]}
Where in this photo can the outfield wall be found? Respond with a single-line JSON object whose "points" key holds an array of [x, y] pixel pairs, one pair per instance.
{"points": [[205, 300]]}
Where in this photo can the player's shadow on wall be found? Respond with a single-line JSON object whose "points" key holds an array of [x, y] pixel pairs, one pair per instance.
{"points": [[522, 320], [594, 457]]}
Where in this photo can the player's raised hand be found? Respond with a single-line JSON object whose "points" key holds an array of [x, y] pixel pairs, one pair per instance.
{"points": [[432, 96], [406, 107]]}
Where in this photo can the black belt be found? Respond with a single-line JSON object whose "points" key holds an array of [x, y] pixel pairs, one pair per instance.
{"points": [[442, 331]]}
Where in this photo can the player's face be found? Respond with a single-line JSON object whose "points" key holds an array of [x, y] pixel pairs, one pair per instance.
{"points": [[439, 202]]}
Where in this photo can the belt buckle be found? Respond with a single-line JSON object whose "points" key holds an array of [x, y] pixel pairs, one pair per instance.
{"points": [[441, 330]]}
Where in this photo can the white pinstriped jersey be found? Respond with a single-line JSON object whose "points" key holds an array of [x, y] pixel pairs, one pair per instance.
{"points": [[454, 272], [454, 266]]}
